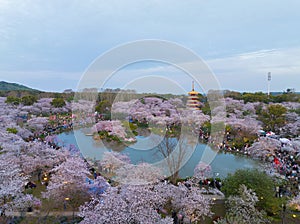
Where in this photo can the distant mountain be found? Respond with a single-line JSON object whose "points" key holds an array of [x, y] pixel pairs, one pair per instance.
{"points": [[6, 86]]}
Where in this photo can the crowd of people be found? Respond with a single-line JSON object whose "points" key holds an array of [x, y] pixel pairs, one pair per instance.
{"points": [[286, 165], [282, 163]]}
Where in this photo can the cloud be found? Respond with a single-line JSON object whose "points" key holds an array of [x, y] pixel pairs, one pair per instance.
{"points": [[248, 71], [241, 72], [71, 33], [63, 37]]}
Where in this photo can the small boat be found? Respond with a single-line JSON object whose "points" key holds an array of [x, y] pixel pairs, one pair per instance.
{"points": [[89, 134]]}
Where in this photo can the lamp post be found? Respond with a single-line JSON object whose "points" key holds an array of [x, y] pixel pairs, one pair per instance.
{"points": [[269, 80], [216, 174], [283, 212], [277, 191], [65, 203], [66, 199]]}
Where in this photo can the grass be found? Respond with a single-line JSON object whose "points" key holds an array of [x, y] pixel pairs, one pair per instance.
{"points": [[218, 209]]}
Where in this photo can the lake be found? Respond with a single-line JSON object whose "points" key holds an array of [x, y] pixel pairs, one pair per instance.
{"points": [[222, 164]]}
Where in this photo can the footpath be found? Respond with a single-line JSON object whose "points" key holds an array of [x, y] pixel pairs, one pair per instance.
{"points": [[39, 214]]}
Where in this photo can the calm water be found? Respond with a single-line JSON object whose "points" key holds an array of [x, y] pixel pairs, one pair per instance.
{"points": [[223, 163]]}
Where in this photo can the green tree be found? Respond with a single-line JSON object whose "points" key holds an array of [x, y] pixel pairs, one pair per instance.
{"points": [[239, 137], [58, 102], [206, 109], [13, 100], [296, 111], [12, 130], [70, 98], [103, 107], [28, 100], [233, 94], [255, 97], [273, 117], [260, 182], [241, 208], [288, 96]]}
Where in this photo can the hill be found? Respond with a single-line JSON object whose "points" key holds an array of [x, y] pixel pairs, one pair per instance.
{"points": [[6, 86]]}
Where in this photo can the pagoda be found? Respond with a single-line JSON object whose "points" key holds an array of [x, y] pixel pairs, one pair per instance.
{"points": [[193, 101]]}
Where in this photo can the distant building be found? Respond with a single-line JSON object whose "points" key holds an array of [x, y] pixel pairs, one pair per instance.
{"points": [[68, 91], [90, 90], [193, 101]]}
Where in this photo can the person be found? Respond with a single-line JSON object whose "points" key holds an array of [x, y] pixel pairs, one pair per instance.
{"points": [[2, 211], [174, 216], [30, 185], [200, 183]]}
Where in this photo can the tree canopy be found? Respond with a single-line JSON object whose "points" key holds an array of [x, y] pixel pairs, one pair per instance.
{"points": [[262, 184], [58, 102], [28, 100], [273, 117], [13, 100]]}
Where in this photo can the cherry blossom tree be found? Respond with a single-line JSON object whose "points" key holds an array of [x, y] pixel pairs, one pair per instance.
{"points": [[67, 183], [127, 204], [36, 158], [295, 144], [264, 147], [97, 186], [291, 105], [11, 181], [10, 142], [249, 109], [202, 171], [295, 202], [188, 202], [52, 139], [194, 205], [7, 121], [113, 128], [239, 109], [157, 111], [32, 157], [37, 124], [43, 106], [292, 126], [23, 203], [247, 124], [193, 119], [149, 110], [144, 202], [109, 208], [234, 106], [31, 110], [241, 131], [111, 161], [83, 112], [24, 133], [143, 173]]}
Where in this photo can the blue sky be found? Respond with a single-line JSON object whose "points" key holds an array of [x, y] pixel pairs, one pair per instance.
{"points": [[49, 44]]}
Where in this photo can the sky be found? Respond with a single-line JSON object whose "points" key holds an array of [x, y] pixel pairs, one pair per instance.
{"points": [[49, 45]]}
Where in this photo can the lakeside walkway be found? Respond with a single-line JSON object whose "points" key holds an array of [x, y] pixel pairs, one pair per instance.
{"points": [[39, 214], [216, 198]]}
